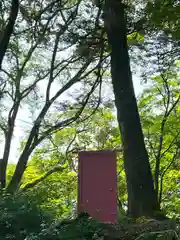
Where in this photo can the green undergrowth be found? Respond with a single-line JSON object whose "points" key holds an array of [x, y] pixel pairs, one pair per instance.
{"points": [[77, 229], [87, 228], [20, 219]]}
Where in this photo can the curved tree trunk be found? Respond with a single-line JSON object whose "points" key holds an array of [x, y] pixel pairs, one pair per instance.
{"points": [[141, 195]]}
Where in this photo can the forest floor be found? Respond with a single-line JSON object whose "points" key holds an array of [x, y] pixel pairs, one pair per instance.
{"points": [[91, 229]]}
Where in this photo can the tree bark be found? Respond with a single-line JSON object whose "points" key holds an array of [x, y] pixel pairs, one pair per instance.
{"points": [[8, 140], [4, 160], [4, 41], [141, 194]]}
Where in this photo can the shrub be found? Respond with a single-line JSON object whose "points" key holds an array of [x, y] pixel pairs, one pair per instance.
{"points": [[76, 229], [19, 217]]}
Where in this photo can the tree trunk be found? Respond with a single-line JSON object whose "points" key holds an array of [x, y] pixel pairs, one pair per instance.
{"points": [[4, 160], [4, 41], [14, 184], [141, 195]]}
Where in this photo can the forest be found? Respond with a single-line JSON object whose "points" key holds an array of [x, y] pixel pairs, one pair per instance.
{"points": [[80, 75]]}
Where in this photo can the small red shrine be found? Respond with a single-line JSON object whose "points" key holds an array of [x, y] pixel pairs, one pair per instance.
{"points": [[97, 185]]}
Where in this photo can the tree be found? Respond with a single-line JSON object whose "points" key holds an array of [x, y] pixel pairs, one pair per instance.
{"points": [[29, 68], [141, 195], [159, 107], [162, 136], [164, 16]]}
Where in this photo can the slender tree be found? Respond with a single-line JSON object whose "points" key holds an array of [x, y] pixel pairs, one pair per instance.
{"points": [[141, 194]]}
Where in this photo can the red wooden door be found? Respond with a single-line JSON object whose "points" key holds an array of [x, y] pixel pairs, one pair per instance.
{"points": [[97, 185]]}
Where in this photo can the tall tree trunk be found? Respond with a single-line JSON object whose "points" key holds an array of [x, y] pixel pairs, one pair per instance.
{"points": [[8, 140], [4, 39], [141, 195], [14, 184], [4, 160]]}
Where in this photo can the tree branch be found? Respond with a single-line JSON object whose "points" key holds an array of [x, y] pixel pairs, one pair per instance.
{"points": [[37, 181], [33, 140], [171, 144], [151, 145], [168, 111], [163, 174], [51, 78]]}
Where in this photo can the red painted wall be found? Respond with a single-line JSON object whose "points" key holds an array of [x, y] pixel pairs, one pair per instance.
{"points": [[97, 185]]}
